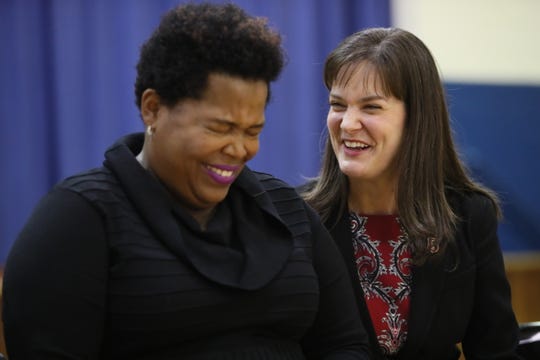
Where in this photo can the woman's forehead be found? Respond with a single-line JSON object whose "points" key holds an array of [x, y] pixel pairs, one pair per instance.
{"points": [[364, 75]]}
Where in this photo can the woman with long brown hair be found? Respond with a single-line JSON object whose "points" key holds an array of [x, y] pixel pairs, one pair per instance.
{"points": [[418, 234]]}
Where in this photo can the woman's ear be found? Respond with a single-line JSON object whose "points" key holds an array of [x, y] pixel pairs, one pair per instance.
{"points": [[150, 104]]}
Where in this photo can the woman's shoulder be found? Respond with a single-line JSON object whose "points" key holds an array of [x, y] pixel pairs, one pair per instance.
{"points": [[477, 214], [272, 184], [92, 176], [270, 180], [306, 186], [259, 183], [93, 185], [471, 202]]}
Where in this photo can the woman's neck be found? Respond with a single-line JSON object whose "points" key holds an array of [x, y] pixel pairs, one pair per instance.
{"points": [[372, 199]]}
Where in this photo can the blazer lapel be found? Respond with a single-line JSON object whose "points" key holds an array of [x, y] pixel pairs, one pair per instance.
{"points": [[428, 282]]}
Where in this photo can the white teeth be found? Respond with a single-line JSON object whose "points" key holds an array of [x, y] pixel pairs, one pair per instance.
{"points": [[355, 144], [220, 172]]}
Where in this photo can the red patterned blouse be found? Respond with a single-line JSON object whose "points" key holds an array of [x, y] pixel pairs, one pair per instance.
{"points": [[383, 260]]}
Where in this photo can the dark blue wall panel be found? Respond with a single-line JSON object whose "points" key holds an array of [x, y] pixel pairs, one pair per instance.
{"points": [[497, 128]]}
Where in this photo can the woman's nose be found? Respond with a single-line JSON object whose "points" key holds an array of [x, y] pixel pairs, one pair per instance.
{"points": [[351, 121], [236, 148]]}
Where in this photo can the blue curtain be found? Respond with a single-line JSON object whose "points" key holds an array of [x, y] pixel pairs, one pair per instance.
{"points": [[67, 69]]}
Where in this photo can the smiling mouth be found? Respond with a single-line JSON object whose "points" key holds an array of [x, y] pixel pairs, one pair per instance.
{"points": [[221, 172], [355, 145]]}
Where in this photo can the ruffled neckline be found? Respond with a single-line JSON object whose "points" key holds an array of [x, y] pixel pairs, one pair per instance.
{"points": [[246, 244]]}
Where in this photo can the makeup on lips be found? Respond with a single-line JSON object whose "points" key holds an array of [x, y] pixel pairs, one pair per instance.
{"points": [[223, 174]]}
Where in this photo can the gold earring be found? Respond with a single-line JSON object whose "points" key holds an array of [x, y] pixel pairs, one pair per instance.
{"points": [[433, 245]]}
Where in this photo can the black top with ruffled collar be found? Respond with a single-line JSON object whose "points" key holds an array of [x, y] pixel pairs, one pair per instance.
{"points": [[109, 266], [246, 242]]}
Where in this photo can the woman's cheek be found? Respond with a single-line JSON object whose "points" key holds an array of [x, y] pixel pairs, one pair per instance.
{"points": [[332, 120]]}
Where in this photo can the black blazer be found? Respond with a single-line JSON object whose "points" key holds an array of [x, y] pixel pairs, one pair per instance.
{"points": [[463, 296]]}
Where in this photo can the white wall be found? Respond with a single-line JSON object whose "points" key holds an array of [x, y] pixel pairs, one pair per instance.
{"points": [[478, 41]]}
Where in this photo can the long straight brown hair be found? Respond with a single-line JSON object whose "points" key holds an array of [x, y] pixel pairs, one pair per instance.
{"points": [[428, 163]]}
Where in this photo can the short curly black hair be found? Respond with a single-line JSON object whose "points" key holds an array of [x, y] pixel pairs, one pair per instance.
{"points": [[195, 40]]}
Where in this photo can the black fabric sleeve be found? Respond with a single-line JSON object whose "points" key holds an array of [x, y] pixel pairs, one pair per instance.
{"points": [[55, 282], [337, 333], [492, 332]]}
